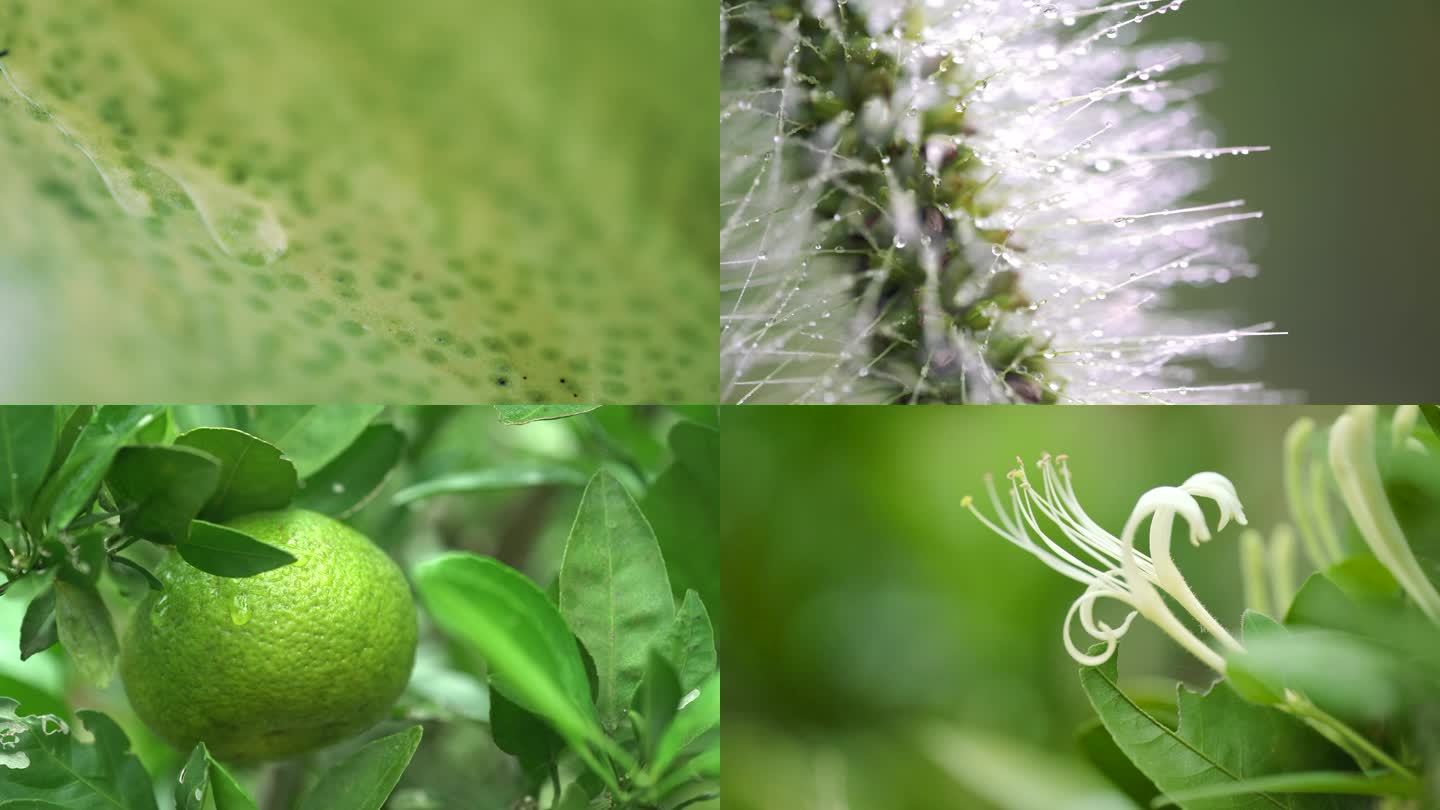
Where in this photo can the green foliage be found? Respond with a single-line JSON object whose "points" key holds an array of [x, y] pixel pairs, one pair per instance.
{"points": [[254, 476], [160, 489], [204, 784], [520, 414], [614, 591], [48, 766], [364, 780], [1211, 745], [312, 436], [350, 480], [27, 439], [225, 552], [179, 483]]}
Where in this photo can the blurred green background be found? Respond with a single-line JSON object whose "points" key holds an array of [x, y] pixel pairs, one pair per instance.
{"points": [[887, 651], [1344, 92]]}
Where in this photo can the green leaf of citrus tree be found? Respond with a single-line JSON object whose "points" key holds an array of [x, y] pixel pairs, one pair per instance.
{"points": [[225, 552], [347, 483], [46, 763], [85, 630], [614, 591], [364, 780], [520, 414], [657, 700], [525, 736], [206, 785], [698, 717], [160, 489], [509, 476], [37, 630], [1214, 744], [532, 656], [682, 505], [79, 476], [312, 435], [28, 434], [133, 573], [254, 476], [550, 239], [689, 644]]}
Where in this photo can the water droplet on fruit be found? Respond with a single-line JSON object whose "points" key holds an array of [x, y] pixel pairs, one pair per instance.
{"points": [[239, 610]]}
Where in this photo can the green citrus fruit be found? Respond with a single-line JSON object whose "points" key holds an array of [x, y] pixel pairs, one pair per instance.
{"points": [[279, 663]]}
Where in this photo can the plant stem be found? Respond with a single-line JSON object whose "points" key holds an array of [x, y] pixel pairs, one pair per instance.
{"points": [[282, 784], [1341, 734]]}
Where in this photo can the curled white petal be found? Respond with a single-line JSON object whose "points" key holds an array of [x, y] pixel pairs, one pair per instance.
{"points": [[1219, 489]]}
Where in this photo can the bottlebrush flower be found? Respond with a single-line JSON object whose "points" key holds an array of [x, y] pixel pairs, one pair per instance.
{"points": [[1114, 568], [967, 201]]}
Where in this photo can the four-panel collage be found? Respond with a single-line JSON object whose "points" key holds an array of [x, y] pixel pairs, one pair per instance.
{"points": [[369, 439]]}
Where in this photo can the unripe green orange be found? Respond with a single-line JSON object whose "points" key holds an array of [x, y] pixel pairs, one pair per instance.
{"points": [[279, 663]]}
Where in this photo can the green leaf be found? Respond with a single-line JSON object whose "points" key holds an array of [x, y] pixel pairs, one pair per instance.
{"points": [[704, 765], [1330, 782], [123, 566], [532, 656], [694, 720], [72, 486], [206, 785], [160, 489], [614, 592], [524, 736], [1213, 744], [364, 780], [37, 629], [630, 431], [1107, 758], [28, 434], [703, 415], [683, 507], [689, 644], [520, 414], [189, 417], [507, 477], [312, 435], [80, 558], [83, 624], [254, 476], [1432, 417], [225, 552], [346, 484], [1344, 675], [45, 763], [657, 700]]}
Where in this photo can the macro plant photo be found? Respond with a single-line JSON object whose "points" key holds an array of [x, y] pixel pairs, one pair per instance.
{"points": [[1015, 201], [342, 607], [356, 201], [1206, 608]]}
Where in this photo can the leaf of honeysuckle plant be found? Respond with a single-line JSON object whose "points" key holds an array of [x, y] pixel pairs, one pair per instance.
{"points": [[280, 201], [1220, 739]]}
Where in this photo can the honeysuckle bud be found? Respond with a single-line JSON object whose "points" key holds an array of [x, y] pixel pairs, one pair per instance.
{"points": [[1357, 472], [968, 201], [1113, 568]]}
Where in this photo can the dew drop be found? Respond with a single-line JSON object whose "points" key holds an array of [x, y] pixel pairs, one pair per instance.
{"points": [[239, 609]]}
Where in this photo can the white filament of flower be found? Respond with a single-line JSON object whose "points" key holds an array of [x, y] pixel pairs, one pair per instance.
{"points": [[1121, 572], [1352, 460]]}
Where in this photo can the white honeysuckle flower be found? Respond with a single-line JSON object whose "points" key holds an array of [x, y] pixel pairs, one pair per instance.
{"points": [[1111, 567], [1357, 472], [971, 201]]}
